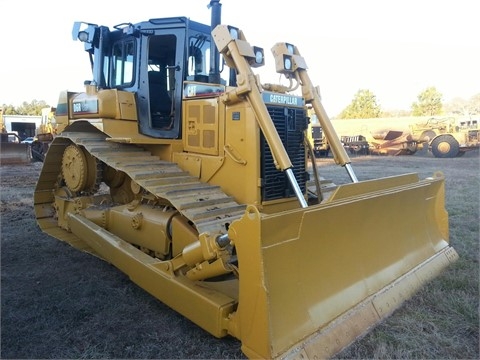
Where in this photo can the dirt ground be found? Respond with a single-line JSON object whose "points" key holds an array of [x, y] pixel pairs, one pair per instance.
{"points": [[57, 302]]}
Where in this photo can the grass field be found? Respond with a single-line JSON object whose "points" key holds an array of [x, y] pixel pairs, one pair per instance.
{"points": [[59, 303]]}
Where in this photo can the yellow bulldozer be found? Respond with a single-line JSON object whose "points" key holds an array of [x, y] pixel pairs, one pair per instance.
{"points": [[195, 183]]}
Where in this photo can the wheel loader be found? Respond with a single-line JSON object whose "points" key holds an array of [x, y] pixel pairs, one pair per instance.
{"points": [[195, 183]]}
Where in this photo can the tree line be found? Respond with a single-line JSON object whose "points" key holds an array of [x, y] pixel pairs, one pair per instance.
{"points": [[429, 103], [33, 108]]}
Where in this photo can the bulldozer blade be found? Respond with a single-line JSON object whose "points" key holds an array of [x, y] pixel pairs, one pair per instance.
{"points": [[314, 280], [15, 153]]}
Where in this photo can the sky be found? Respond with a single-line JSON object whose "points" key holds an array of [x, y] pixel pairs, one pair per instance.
{"points": [[395, 49]]}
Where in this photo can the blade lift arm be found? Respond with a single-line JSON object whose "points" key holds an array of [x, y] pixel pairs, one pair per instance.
{"points": [[289, 62]]}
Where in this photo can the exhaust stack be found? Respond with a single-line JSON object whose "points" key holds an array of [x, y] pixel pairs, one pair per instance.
{"points": [[214, 75]]}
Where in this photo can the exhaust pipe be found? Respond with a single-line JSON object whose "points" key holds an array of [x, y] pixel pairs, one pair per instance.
{"points": [[214, 75]]}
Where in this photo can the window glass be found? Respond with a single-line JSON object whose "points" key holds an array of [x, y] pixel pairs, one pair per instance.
{"points": [[122, 64], [199, 56]]}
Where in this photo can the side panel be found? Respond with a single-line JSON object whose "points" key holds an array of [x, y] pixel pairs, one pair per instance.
{"points": [[201, 130]]}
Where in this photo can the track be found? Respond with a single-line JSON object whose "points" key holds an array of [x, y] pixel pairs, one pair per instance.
{"points": [[205, 205]]}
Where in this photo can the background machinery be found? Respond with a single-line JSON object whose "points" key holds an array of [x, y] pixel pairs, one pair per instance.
{"points": [[316, 136], [194, 183], [381, 142], [45, 133], [356, 144], [392, 142], [12, 150], [447, 137]]}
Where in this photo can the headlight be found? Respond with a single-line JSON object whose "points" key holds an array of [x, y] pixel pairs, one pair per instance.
{"points": [[259, 57], [287, 62], [83, 36]]}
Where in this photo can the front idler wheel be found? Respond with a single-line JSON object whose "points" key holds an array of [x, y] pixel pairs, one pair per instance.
{"points": [[80, 170]]}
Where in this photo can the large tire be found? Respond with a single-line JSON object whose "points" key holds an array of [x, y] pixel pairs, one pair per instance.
{"points": [[445, 146]]}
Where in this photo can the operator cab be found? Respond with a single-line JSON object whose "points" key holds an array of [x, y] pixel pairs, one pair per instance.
{"points": [[151, 59]]}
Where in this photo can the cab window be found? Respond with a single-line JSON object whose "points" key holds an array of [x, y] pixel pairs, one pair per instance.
{"points": [[122, 64]]}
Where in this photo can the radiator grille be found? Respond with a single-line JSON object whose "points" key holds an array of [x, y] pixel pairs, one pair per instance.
{"points": [[290, 124]]}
